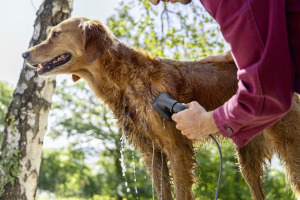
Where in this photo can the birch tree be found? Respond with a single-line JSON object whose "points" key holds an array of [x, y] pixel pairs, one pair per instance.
{"points": [[26, 119]]}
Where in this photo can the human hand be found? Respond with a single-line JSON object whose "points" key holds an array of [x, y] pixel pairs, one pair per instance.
{"points": [[195, 122], [223, 57]]}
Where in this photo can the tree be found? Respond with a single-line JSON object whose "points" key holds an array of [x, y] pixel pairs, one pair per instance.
{"points": [[26, 120]]}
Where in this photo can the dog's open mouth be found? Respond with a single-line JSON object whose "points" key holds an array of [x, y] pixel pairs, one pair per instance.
{"points": [[55, 62]]}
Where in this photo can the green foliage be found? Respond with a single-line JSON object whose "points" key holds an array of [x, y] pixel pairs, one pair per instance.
{"points": [[5, 98], [95, 197], [209, 161], [173, 31], [275, 186], [78, 112], [9, 165], [64, 172], [129, 183]]}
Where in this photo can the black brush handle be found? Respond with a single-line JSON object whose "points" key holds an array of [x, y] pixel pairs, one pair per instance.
{"points": [[177, 107]]}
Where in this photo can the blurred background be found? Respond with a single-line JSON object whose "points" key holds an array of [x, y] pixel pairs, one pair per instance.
{"points": [[84, 155]]}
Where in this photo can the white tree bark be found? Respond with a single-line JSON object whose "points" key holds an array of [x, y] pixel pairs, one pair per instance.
{"points": [[27, 117]]}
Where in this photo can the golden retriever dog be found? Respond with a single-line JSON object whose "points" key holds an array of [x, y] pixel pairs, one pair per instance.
{"points": [[128, 80]]}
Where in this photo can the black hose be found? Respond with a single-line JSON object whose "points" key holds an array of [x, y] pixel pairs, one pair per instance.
{"points": [[166, 106], [221, 165]]}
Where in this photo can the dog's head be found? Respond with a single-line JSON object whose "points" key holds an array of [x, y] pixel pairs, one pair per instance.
{"points": [[70, 47]]}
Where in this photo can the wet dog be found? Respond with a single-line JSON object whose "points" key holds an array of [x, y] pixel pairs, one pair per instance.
{"points": [[127, 81]]}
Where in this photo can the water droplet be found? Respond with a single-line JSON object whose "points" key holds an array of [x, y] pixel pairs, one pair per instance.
{"points": [[152, 165], [134, 173], [164, 124], [161, 173]]}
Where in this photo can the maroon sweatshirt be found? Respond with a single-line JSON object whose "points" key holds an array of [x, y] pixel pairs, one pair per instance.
{"points": [[265, 41]]}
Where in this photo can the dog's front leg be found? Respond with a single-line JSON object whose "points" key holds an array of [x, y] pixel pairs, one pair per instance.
{"points": [[182, 164], [156, 163]]}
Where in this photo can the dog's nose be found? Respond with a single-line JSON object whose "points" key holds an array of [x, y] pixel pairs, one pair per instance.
{"points": [[25, 54]]}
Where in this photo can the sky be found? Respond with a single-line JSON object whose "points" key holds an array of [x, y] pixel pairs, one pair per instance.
{"points": [[17, 19]]}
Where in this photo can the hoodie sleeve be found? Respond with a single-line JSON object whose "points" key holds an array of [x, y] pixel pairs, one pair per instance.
{"points": [[258, 35]]}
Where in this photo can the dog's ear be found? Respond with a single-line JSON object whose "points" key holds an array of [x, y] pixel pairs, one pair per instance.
{"points": [[96, 39], [75, 78]]}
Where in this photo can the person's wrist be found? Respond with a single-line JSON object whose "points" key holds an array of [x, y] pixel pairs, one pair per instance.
{"points": [[211, 125]]}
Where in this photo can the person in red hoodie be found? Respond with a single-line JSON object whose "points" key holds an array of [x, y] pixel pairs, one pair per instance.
{"points": [[265, 45]]}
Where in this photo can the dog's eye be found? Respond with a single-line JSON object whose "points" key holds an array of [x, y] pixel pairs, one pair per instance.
{"points": [[55, 34]]}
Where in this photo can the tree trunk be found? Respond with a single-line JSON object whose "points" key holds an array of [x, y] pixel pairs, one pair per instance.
{"points": [[26, 119]]}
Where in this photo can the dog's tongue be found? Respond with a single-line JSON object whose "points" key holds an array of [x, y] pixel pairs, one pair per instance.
{"points": [[39, 66]]}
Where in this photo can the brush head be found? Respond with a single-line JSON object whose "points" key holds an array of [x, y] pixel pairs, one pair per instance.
{"points": [[166, 106]]}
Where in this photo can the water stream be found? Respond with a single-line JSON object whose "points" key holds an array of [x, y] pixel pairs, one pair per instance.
{"points": [[152, 167], [161, 173], [134, 174], [123, 163], [122, 160]]}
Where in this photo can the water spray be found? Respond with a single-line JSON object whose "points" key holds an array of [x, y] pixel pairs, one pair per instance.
{"points": [[166, 106]]}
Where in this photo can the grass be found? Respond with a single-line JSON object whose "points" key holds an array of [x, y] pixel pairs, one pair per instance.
{"points": [[95, 197]]}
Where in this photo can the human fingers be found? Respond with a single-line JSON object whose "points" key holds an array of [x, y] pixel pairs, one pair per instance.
{"points": [[195, 108], [180, 115], [192, 104], [175, 117], [208, 59], [223, 57], [186, 114]]}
